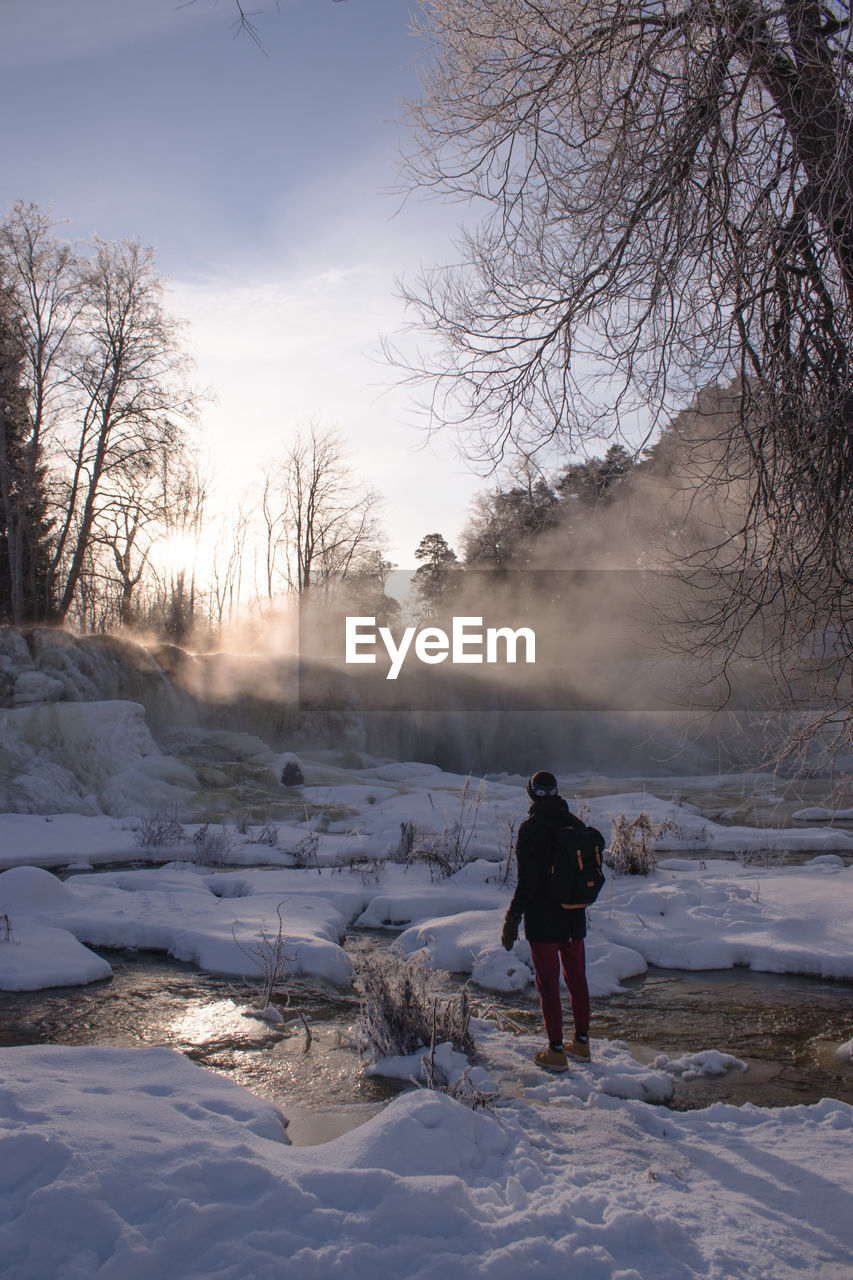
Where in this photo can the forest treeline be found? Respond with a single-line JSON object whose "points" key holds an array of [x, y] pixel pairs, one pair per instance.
{"points": [[666, 506]]}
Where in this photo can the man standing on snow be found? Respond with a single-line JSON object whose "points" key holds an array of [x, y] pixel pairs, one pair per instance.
{"points": [[555, 933]]}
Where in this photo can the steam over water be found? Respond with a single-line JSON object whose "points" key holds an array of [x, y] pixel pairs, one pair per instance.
{"points": [[461, 723]]}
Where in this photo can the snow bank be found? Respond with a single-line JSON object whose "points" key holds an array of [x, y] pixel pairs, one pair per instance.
{"points": [[179, 910], [37, 956], [69, 840], [682, 916], [817, 813], [782, 920], [34, 956]]}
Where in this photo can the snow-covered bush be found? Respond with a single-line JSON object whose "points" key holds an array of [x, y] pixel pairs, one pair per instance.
{"points": [[160, 830], [304, 851], [445, 852], [765, 857], [370, 868], [210, 848], [582, 810], [402, 1009], [631, 851], [268, 955], [508, 874], [242, 820], [5, 928], [267, 835]]}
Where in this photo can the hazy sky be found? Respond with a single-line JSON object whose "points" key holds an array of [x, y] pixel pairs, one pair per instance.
{"points": [[261, 180]]}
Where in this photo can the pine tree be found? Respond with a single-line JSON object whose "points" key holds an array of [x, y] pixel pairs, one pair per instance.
{"points": [[437, 574], [25, 523]]}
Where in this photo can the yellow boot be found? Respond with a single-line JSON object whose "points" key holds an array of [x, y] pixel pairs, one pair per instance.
{"points": [[551, 1059], [578, 1049]]}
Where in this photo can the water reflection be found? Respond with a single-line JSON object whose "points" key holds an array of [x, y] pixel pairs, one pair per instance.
{"points": [[219, 1021]]}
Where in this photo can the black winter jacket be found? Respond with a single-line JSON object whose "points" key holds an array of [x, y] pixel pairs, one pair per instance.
{"points": [[544, 920]]}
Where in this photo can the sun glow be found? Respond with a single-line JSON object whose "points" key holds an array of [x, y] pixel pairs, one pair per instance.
{"points": [[187, 555]]}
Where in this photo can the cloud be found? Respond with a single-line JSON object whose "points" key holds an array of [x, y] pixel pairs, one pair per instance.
{"points": [[282, 349], [53, 31]]}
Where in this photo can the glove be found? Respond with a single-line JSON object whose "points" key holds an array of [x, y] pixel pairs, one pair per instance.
{"points": [[509, 933]]}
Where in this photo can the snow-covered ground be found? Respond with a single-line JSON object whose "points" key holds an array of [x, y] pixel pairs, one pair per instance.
{"points": [[691, 913], [137, 1163]]}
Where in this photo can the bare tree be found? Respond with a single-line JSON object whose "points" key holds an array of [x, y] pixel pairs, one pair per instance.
{"points": [[185, 490], [668, 201], [226, 578], [273, 512], [126, 383], [505, 523], [106, 376], [319, 520]]}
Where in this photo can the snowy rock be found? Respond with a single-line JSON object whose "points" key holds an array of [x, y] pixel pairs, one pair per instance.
{"points": [[85, 757], [691, 1066], [14, 650], [291, 772], [32, 890], [34, 686]]}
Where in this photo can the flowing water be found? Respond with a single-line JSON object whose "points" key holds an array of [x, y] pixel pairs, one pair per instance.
{"points": [[785, 1028], [151, 1000]]}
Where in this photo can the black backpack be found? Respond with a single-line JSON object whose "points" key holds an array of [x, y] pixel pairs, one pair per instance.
{"points": [[573, 874]]}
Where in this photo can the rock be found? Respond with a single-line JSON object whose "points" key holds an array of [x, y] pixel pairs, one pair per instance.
{"points": [[291, 774]]}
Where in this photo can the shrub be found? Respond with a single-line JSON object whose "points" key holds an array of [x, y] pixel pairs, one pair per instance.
{"points": [[210, 848], [267, 835], [242, 821], [506, 848], [445, 852], [160, 830], [462, 1089], [5, 928], [401, 1009], [368, 866], [764, 857], [631, 851], [305, 850], [269, 956], [409, 838]]}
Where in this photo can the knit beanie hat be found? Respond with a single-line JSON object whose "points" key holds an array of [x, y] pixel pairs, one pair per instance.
{"points": [[542, 784]]}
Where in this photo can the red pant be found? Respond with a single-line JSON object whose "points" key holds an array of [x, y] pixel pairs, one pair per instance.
{"points": [[547, 957]]}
